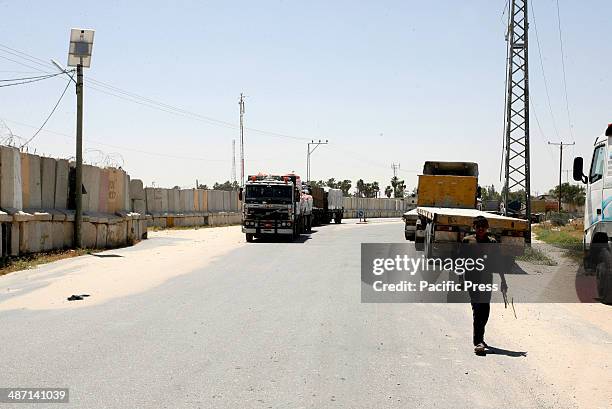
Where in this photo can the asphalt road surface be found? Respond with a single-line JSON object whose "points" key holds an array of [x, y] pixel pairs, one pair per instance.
{"points": [[281, 325]]}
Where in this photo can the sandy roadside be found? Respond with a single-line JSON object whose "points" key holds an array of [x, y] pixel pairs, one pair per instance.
{"points": [[123, 272], [120, 272]]}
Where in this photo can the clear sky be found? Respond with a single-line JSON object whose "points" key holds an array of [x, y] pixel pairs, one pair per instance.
{"points": [[385, 81]]}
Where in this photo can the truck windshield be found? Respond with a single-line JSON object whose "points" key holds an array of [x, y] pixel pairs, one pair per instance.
{"points": [[273, 194]]}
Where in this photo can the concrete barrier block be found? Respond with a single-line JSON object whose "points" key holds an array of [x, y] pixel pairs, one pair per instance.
{"points": [[103, 191], [138, 206], [48, 169], [114, 197], [127, 202], [173, 201], [227, 201], [25, 180], [143, 228], [113, 238], [57, 235], [130, 231], [15, 240], [46, 235], [196, 200], [203, 200], [189, 201], [101, 233], [215, 201], [68, 228], [35, 182], [89, 235], [153, 200], [91, 182], [62, 172], [10, 179], [23, 237], [137, 191], [165, 200]]}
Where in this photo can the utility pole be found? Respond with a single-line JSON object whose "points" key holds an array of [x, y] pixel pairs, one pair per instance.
{"points": [[316, 145], [560, 145], [241, 104], [516, 126], [78, 199]]}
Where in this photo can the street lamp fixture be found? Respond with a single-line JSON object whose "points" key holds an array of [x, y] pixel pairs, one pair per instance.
{"points": [[310, 151]]}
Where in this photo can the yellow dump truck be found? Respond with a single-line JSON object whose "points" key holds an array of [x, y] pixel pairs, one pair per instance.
{"points": [[448, 194]]}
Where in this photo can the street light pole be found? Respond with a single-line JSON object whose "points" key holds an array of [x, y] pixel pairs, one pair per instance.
{"points": [[316, 145], [79, 56], [78, 199]]}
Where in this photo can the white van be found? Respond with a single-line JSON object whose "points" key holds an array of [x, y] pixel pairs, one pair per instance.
{"points": [[598, 213]]}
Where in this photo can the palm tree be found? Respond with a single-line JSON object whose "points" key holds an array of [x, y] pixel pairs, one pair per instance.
{"points": [[388, 191]]}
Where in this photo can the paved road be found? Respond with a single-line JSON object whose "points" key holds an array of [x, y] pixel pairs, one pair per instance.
{"points": [[281, 325]]}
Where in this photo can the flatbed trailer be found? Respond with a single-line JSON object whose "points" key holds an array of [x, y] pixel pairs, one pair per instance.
{"points": [[451, 225]]}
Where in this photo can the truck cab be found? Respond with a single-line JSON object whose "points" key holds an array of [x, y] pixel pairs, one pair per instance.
{"points": [[598, 212], [269, 206]]}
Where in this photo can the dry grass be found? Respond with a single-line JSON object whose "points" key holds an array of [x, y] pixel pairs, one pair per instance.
{"points": [[568, 237], [28, 261]]}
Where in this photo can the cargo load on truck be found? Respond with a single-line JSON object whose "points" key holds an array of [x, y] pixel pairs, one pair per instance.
{"points": [[448, 203], [328, 205]]}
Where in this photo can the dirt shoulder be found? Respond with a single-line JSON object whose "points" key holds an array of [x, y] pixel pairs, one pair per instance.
{"points": [[117, 273]]}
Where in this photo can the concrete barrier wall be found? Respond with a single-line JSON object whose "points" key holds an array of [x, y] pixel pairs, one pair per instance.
{"points": [[375, 207], [34, 193]]}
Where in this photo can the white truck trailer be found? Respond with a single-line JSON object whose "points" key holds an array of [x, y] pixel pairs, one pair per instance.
{"points": [[598, 213]]}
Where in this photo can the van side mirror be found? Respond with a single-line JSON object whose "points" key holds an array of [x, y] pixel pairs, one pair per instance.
{"points": [[240, 194], [478, 192], [578, 173]]}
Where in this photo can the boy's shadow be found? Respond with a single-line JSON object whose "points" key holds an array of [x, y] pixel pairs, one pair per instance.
{"points": [[499, 351]]}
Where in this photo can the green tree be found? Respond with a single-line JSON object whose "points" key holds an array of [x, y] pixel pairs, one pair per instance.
{"points": [[226, 186], [345, 186], [399, 187], [388, 191], [570, 193], [489, 193], [359, 188]]}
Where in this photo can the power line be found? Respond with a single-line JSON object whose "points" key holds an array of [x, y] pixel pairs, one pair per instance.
{"points": [[106, 88], [36, 79], [552, 116], [569, 120], [94, 141], [27, 78], [50, 114]]}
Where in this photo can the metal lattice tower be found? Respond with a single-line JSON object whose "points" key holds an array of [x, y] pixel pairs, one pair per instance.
{"points": [[517, 107]]}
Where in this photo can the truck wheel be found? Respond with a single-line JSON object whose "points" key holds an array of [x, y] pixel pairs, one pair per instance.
{"points": [[249, 237], [604, 276]]}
